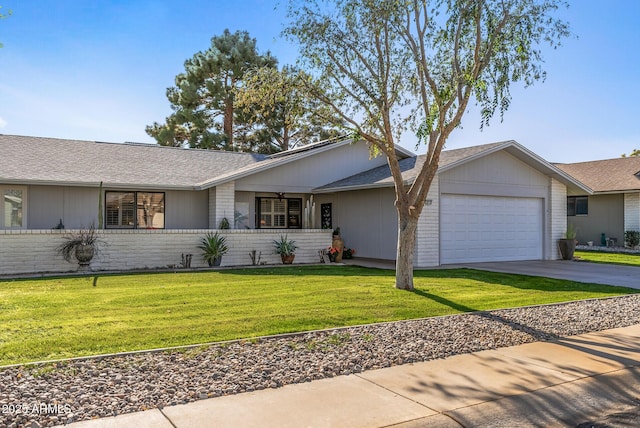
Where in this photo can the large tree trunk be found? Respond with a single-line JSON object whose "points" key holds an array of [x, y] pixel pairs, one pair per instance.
{"points": [[407, 227], [227, 125]]}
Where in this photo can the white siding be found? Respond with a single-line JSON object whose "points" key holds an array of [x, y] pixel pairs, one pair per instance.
{"points": [[34, 251], [212, 208], [306, 174], [631, 211], [428, 234], [558, 218]]}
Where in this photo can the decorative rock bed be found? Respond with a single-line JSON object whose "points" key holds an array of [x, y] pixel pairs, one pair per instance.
{"points": [[621, 250], [64, 392]]}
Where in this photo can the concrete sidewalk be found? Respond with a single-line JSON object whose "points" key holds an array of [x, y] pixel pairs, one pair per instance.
{"points": [[562, 383]]}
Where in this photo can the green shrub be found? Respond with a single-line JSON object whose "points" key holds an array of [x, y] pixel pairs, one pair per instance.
{"points": [[632, 238]]}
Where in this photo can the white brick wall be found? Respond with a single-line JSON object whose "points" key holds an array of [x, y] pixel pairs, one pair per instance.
{"points": [[212, 208], [225, 202], [428, 234], [631, 211], [34, 251], [558, 212]]}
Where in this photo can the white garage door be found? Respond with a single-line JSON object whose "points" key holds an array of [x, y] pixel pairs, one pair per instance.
{"points": [[490, 228]]}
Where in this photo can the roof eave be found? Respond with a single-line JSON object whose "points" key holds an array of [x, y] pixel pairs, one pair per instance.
{"points": [[380, 185], [615, 192], [136, 186]]}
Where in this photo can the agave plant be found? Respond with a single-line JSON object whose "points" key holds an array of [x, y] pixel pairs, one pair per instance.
{"points": [[285, 247], [213, 246]]}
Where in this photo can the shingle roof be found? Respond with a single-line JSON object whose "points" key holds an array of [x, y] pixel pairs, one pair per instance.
{"points": [[410, 167], [50, 160], [38, 160], [610, 175]]}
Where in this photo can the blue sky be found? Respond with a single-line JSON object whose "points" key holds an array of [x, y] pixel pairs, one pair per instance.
{"points": [[98, 70]]}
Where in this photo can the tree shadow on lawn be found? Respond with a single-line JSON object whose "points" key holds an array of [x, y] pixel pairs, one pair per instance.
{"points": [[531, 330], [522, 282], [525, 282]]}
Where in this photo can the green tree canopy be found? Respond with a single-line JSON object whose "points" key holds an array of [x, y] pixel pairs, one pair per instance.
{"points": [[278, 104], [394, 66], [635, 152], [202, 100], [2, 16]]}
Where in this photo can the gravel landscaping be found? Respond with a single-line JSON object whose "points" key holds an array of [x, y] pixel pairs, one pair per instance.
{"points": [[60, 393]]}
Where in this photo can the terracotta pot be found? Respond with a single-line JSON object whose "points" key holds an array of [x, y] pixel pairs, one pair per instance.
{"points": [[339, 244], [287, 260]]}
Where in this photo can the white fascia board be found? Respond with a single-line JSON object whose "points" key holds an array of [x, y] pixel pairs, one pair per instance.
{"points": [[357, 187], [615, 192], [405, 152], [132, 186]]}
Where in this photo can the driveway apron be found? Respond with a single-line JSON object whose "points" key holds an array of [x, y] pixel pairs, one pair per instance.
{"points": [[594, 273]]}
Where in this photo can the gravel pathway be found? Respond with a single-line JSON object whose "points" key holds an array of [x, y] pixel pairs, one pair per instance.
{"points": [[70, 391]]}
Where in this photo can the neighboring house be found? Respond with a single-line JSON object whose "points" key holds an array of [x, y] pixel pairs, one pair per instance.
{"points": [[614, 206], [493, 202]]}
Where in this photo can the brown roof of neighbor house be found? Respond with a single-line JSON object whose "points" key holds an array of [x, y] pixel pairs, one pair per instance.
{"points": [[610, 175]]}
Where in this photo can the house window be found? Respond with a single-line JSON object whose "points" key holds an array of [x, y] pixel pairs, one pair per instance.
{"points": [[14, 201], [134, 210], [278, 213], [577, 205]]}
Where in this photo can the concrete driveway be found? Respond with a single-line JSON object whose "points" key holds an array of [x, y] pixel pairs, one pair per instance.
{"points": [[594, 273]]}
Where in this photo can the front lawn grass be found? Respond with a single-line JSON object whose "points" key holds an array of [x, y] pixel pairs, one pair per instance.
{"points": [[611, 258], [54, 318]]}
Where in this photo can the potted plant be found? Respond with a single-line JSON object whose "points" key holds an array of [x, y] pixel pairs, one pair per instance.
{"points": [[213, 246], [286, 248], [83, 244], [567, 245], [348, 253], [333, 253], [224, 224]]}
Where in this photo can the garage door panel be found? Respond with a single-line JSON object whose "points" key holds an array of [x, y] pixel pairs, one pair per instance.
{"points": [[488, 228]]}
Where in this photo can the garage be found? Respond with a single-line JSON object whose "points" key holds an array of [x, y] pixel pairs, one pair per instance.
{"points": [[490, 228]]}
